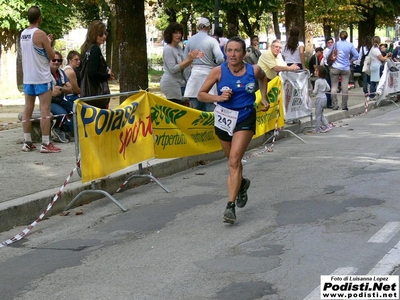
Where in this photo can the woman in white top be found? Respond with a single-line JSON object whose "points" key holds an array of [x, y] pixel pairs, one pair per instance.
{"points": [[377, 59], [293, 51]]}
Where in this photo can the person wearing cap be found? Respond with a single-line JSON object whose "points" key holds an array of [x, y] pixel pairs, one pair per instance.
{"points": [[201, 67]]}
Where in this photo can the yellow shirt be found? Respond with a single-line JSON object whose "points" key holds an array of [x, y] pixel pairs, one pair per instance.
{"points": [[267, 61]]}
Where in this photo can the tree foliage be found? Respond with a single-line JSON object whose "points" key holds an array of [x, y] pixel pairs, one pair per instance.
{"points": [[239, 17], [339, 14]]}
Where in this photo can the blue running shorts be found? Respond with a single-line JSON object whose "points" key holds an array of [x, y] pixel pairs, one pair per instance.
{"points": [[37, 89]]}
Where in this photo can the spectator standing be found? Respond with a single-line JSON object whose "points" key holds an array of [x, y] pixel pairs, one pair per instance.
{"points": [[252, 52], [396, 53], [377, 60], [324, 62], [60, 106], [176, 68], [382, 48], [293, 51], [321, 86], [219, 34], [201, 67], [364, 51], [271, 61], [341, 67], [315, 60], [36, 53], [236, 101], [94, 65]]}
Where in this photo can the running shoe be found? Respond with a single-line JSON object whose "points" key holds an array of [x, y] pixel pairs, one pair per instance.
{"points": [[59, 136], [50, 148], [241, 198], [229, 213], [70, 136], [321, 130], [28, 147]]}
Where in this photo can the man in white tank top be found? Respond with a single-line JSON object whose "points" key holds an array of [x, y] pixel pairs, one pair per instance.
{"points": [[36, 53]]}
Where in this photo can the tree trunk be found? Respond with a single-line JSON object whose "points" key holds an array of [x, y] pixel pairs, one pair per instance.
{"points": [[131, 38], [366, 27], [275, 21], [171, 13], [20, 74], [248, 29], [309, 46], [294, 16], [8, 72], [233, 22], [112, 45], [327, 28], [184, 22]]}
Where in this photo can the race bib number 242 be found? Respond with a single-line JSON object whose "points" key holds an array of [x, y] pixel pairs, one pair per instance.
{"points": [[225, 119]]}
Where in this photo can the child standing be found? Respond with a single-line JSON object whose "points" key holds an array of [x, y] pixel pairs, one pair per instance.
{"points": [[321, 86]]}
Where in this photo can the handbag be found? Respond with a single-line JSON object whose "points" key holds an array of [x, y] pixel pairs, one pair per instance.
{"points": [[94, 88], [333, 56], [366, 63]]}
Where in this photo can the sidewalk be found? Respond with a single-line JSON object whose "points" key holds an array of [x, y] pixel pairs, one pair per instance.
{"points": [[29, 181]]}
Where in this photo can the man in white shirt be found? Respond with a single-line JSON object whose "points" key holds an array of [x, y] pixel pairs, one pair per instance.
{"points": [[36, 53], [201, 67]]}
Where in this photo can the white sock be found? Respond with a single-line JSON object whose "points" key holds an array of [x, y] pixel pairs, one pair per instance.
{"points": [[45, 139], [28, 137]]}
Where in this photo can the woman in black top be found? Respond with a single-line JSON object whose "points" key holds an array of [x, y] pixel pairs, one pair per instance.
{"points": [[94, 66]]}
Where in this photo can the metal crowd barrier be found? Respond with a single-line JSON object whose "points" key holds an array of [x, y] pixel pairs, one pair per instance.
{"points": [[78, 156]]}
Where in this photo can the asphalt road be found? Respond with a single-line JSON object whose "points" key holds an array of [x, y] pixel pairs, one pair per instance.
{"points": [[329, 206]]}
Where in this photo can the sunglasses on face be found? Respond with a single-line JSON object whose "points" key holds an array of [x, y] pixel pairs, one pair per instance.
{"points": [[103, 33], [57, 60]]}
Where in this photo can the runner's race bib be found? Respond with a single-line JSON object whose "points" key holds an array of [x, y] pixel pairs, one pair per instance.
{"points": [[225, 119]]}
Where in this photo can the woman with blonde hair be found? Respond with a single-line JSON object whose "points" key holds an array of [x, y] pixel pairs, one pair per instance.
{"points": [[95, 73], [377, 59]]}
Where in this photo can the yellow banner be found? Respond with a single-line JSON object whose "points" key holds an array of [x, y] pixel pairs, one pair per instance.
{"points": [[266, 120], [181, 131], [113, 139], [146, 126]]}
